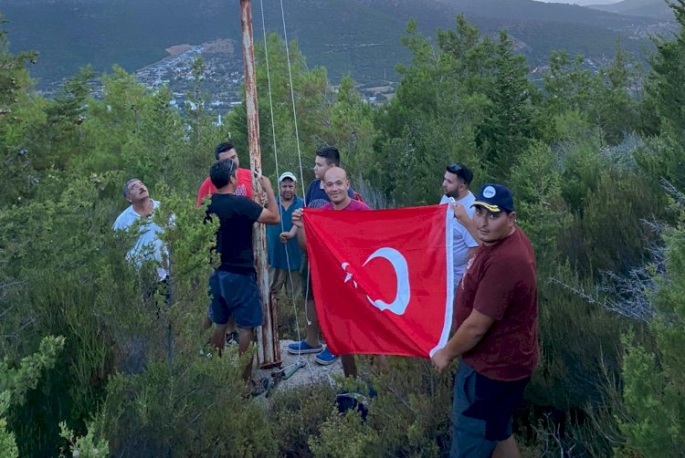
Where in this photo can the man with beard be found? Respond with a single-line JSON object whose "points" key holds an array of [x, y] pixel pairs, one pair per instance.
{"points": [[455, 185], [285, 256]]}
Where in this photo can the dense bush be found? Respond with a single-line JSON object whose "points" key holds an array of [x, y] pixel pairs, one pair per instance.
{"points": [[587, 171]]}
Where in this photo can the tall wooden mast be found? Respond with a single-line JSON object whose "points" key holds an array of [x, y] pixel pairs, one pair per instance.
{"points": [[268, 353]]}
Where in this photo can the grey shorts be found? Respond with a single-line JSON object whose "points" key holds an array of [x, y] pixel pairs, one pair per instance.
{"points": [[482, 412]]}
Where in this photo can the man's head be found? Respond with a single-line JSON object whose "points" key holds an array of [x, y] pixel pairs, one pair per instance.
{"points": [[336, 185], [226, 150], [326, 158], [456, 181], [494, 213], [135, 191], [222, 173], [286, 186]]}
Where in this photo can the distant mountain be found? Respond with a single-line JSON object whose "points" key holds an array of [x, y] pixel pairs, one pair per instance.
{"points": [[528, 10], [581, 2], [658, 9], [361, 37]]}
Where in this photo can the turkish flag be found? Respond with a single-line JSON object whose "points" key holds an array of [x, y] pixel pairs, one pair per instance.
{"points": [[382, 279]]}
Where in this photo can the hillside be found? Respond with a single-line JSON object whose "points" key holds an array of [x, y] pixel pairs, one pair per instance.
{"points": [[528, 10], [647, 8], [357, 36]]}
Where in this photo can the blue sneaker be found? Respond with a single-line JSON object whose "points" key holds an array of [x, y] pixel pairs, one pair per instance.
{"points": [[303, 348], [326, 357]]}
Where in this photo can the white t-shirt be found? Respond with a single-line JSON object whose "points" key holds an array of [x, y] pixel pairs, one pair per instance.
{"points": [[148, 247], [462, 239]]}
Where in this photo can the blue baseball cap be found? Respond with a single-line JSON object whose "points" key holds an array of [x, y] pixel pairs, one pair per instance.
{"points": [[495, 198]]}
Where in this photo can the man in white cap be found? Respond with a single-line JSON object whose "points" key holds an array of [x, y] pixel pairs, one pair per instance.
{"points": [[285, 256]]}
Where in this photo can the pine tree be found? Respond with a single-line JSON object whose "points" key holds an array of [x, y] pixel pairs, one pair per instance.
{"points": [[654, 380], [20, 115], [508, 128], [666, 91], [654, 391]]}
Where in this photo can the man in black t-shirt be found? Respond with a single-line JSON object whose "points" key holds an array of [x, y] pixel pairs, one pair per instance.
{"points": [[233, 284]]}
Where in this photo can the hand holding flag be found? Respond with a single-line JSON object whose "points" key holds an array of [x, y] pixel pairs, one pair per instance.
{"points": [[382, 280]]}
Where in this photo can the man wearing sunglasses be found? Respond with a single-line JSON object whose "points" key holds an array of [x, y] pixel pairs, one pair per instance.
{"points": [[233, 285], [455, 185]]}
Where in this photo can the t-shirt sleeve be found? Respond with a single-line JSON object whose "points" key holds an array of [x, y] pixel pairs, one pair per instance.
{"points": [[118, 225], [122, 223], [350, 193], [468, 240], [202, 192], [245, 178], [308, 194], [361, 206], [250, 209], [497, 288]]}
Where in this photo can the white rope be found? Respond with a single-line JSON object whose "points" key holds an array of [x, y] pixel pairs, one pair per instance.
{"points": [[297, 139], [278, 174], [292, 99], [299, 156]]}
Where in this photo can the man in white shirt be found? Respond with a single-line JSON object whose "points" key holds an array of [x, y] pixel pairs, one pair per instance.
{"points": [[148, 247], [455, 185]]}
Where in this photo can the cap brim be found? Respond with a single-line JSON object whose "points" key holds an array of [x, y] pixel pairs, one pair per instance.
{"points": [[490, 207]]}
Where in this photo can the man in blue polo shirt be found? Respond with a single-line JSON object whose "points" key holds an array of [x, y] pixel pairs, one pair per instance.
{"points": [[285, 256]]}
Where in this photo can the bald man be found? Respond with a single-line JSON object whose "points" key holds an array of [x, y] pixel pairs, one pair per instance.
{"points": [[337, 186]]}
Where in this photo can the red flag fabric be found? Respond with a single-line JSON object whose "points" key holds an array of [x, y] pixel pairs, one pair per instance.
{"points": [[382, 280]]}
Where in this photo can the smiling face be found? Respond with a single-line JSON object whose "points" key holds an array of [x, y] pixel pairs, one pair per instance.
{"points": [[336, 185], [137, 192], [493, 226]]}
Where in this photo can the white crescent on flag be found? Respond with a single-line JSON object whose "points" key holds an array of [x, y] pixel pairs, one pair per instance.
{"points": [[403, 294]]}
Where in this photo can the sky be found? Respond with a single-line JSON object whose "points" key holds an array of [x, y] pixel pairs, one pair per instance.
{"points": [[581, 2]]}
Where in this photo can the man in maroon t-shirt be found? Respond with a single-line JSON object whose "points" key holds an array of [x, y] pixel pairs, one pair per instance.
{"points": [[496, 316], [337, 188]]}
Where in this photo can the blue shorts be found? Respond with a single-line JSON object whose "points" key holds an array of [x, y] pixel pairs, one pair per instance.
{"points": [[235, 295], [482, 412]]}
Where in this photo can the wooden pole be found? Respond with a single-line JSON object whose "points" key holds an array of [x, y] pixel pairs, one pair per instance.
{"points": [[268, 354]]}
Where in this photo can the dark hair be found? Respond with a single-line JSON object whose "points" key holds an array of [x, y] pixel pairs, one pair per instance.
{"points": [[221, 172], [461, 171], [222, 148], [126, 186], [330, 153]]}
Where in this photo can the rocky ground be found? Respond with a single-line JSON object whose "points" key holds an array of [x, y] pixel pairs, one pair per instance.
{"points": [[308, 371]]}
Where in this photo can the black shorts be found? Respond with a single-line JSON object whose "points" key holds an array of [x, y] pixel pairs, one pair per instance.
{"points": [[306, 280], [482, 412]]}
